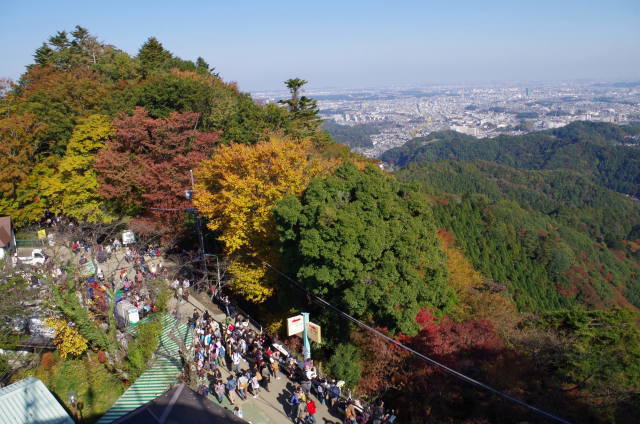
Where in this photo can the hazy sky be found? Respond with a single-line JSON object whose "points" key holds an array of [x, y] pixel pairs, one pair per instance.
{"points": [[353, 43]]}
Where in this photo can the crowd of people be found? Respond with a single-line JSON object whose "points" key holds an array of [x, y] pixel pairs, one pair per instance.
{"points": [[128, 281], [229, 345]]}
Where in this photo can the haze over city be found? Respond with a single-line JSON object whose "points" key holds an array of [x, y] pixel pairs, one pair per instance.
{"points": [[354, 44]]}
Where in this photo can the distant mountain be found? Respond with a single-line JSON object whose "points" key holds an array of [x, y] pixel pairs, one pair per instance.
{"points": [[563, 194], [608, 153]]}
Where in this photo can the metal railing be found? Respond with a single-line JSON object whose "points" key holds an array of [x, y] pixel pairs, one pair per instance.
{"points": [[29, 243]]}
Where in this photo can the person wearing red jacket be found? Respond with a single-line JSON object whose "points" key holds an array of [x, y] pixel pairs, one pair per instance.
{"points": [[311, 411]]}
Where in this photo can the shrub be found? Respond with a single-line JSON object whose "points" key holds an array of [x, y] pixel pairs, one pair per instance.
{"points": [[141, 349], [345, 364], [68, 340], [46, 361]]}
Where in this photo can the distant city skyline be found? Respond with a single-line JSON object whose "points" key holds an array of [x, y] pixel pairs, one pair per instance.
{"points": [[355, 44]]}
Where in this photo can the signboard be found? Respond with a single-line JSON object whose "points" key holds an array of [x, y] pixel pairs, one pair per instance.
{"points": [[88, 268], [128, 237], [42, 234], [313, 332], [133, 316], [295, 325]]}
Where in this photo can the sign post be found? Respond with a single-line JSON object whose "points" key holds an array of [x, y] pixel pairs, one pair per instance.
{"points": [[306, 348], [310, 331]]}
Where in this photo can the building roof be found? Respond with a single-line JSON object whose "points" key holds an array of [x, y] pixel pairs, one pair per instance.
{"points": [[180, 405], [5, 231], [29, 402]]}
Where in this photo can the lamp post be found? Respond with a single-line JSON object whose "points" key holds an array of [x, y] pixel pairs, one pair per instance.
{"points": [[72, 398], [218, 278], [198, 224]]}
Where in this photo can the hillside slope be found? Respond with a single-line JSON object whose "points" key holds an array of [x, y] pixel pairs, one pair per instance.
{"points": [[608, 153]]}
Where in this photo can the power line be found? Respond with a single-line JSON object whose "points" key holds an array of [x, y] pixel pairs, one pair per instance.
{"points": [[425, 358], [169, 209]]}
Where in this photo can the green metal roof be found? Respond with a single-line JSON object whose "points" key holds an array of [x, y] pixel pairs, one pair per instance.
{"points": [[30, 402], [160, 377]]}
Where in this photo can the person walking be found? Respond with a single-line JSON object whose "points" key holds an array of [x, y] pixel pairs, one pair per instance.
{"points": [[350, 414], [231, 390], [265, 377], [238, 412], [243, 383], [218, 390], [311, 412], [236, 357], [320, 390], [255, 386], [294, 401], [378, 413]]}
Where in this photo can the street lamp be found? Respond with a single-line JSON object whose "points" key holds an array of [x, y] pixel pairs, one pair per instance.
{"points": [[72, 398]]}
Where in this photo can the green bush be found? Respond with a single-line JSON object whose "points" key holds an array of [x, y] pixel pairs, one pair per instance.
{"points": [[345, 364], [141, 349]]}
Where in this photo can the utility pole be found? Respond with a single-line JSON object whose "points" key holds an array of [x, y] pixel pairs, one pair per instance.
{"points": [[199, 230], [218, 276]]}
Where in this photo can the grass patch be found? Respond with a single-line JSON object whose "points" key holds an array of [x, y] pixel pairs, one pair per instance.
{"points": [[95, 386]]}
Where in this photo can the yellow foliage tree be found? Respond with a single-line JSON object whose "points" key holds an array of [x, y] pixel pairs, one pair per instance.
{"points": [[73, 190], [475, 301], [236, 190], [67, 338]]}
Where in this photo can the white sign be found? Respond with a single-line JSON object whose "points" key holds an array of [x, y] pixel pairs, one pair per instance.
{"points": [[295, 325], [313, 332], [128, 237], [133, 316]]}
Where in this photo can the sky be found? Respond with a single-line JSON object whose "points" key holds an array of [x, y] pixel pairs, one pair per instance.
{"points": [[353, 44]]}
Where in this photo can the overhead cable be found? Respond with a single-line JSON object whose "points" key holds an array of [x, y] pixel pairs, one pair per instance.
{"points": [[417, 354]]}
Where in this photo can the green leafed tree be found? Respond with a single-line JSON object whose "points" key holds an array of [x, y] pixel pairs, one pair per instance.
{"points": [[600, 352], [345, 364], [304, 110], [152, 55], [367, 244]]}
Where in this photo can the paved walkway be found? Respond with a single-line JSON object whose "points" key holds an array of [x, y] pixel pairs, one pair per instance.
{"points": [[270, 407]]}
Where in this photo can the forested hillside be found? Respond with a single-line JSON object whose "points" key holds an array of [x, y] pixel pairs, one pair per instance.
{"points": [[608, 153], [358, 136], [521, 272], [80, 89], [541, 217]]}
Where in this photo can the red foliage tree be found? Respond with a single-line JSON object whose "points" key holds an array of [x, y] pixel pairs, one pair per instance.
{"points": [[454, 343], [427, 394], [384, 363], [147, 166]]}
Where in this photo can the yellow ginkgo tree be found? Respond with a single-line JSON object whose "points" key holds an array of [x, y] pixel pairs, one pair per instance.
{"points": [[237, 189]]}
